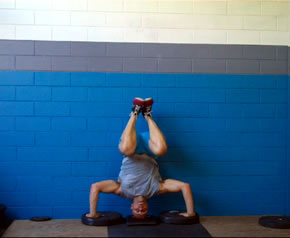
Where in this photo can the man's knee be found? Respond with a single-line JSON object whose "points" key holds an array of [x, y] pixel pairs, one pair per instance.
{"points": [[126, 149], [160, 149]]}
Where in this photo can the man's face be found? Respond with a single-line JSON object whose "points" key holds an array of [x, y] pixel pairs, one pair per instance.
{"points": [[139, 209]]}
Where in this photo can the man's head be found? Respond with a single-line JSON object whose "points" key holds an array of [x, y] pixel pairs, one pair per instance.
{"points": [[139, 207]]}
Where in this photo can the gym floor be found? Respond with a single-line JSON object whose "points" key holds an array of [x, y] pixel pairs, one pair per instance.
{"points": [[217, 226]]}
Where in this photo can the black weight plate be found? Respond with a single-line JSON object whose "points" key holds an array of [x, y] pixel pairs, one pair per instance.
{"points": [[40, 218], [279, 222], [106, 219], [173, 217]]}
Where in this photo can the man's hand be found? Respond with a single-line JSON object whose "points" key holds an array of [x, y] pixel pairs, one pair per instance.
{"points": [[96, 215], [185, 214]]}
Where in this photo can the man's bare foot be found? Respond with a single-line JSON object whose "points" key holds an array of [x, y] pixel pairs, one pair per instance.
{"points": [[97, 215], [185, 214]]}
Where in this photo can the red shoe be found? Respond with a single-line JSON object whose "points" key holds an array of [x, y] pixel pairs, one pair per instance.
{"points": [[137, 106], [147, 107]]}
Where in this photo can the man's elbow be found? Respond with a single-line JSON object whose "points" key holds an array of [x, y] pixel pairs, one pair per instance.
{"points": [[185, 187]]}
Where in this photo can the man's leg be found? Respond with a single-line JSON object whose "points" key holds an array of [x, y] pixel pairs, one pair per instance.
{"points": [[128, 141], [157, 142]]}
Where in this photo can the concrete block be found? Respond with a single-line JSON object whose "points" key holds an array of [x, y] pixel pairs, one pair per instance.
{"points": [[69, 33], [88, 49], [281, 53], [13, 198], [168, 50], [77, 184], [86, 18], [8, 154], [89, 139], [208, 95], [52, 18], [258, 52], [59, 198], [33, 93], [53, 169], [52, 138], [174, 65], [226, 110], [89, 169], [34, 183], [12, 16], [16, 78], [192, 80], [28, 32], [108, 64], [7, 62], [13, 47], [68, 124], [9, 184], [105, 94], [123, 79], [88, 79], [105, 124], [52, 108], [243, 125], [32, 124], [7, 93], [7, 123], [52, 154], [123, 49], [52, 48], [33, 63], [69, 94], [274, 96], [261, 23], [259, 111], [16, 108], [209, 66], [87, 109], [174, 95], [52, 78], [140, 65], [69, 64], [243, 66], [281, 111], [226, 51], [191, 110], [16, 138], [243, 96], [158, 80], [274, 67]]}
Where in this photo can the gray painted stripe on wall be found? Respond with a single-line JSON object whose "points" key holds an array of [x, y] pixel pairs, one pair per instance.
{"points": [[142, 57]]}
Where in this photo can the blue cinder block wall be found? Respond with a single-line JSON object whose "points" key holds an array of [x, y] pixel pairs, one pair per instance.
{"points": [[228, 136]]}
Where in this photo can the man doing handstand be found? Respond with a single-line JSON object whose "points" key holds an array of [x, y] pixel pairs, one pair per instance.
{"points": [[139, 178]]}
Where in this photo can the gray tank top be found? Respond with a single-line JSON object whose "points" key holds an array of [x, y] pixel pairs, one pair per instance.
{"points": [[139, 176]]}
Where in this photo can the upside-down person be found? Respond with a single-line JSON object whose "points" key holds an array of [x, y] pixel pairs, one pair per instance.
{"points": [[139, 178]]}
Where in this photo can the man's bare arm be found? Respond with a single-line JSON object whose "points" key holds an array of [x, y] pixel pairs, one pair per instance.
{"points": [[107, 186], [172, 186]]}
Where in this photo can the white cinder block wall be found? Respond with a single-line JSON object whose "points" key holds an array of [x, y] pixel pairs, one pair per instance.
{"points": [[263, 22]]}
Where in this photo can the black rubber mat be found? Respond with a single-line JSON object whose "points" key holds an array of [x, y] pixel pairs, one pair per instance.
{"points": [[161, 230]]}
